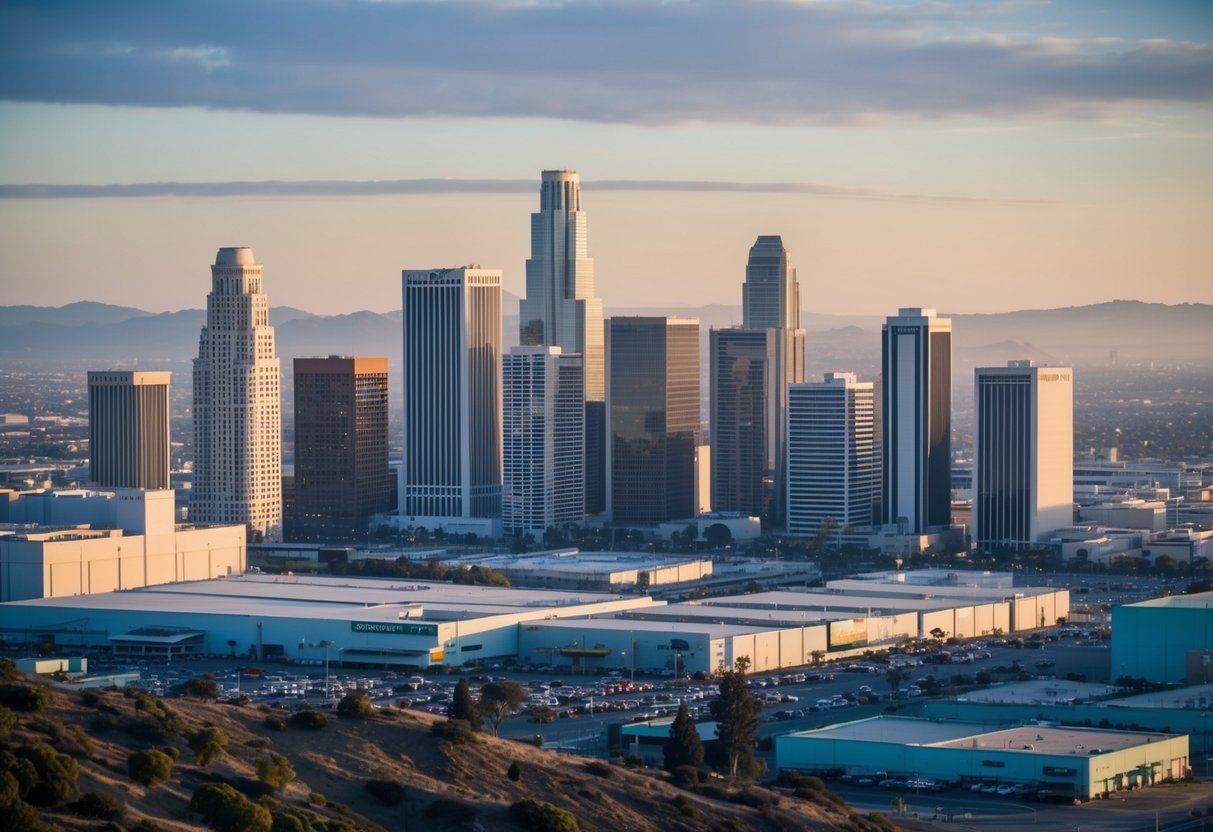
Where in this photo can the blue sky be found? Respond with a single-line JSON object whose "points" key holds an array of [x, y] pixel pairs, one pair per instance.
{"points": [[967, 156]]}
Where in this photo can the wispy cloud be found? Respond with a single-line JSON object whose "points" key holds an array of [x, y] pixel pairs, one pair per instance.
{"points": [[639, 61], [470, 186]]}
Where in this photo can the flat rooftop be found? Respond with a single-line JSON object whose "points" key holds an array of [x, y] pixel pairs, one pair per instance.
{"points": [[825, 601], [1199, 600], [632, 625], [604, 562], [1034, 739], [1194, 697], [329, 598], [976, 594], [1038, 692], [767, 617]]}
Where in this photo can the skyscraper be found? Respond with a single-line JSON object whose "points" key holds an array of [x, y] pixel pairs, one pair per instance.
{"points": [[652, 418], [916, 368], [451, 462], [740, 362], [1023, 465], [561, 310], [543, 440], [237, 420], [833, 470], [128, 429], [748, 422], [341, 448]]}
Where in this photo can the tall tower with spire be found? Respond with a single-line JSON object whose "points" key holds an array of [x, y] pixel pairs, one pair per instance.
{"points": [[237, 417], [561, 310]]}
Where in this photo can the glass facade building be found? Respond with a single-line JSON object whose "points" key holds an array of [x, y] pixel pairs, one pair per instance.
{"points": [[128, 429]]}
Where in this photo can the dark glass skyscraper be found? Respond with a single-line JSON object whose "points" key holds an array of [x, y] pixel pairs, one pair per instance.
{"points": [[652, 418], [128, 429], [916, 370], [341, 448]]}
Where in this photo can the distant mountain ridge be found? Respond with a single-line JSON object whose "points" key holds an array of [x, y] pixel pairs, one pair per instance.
{"points": [[103, 334]]}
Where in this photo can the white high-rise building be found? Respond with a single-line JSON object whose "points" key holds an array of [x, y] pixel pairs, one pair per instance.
{"points": [[237, 417], [451, 462], [916, 370], [561, 310], [1023, 464], [833, 468], [543, 442]]}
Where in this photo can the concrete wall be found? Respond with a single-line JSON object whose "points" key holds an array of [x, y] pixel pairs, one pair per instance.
{"points": [[1152, 641]]}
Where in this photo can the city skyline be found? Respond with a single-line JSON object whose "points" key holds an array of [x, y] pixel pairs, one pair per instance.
{"points": [[960, 157]]}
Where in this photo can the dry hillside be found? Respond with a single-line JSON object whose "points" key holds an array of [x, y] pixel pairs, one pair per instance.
{"points": [[429, 783]]}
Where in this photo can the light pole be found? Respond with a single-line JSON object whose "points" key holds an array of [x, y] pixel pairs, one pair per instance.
{"points": [[326, 644]]}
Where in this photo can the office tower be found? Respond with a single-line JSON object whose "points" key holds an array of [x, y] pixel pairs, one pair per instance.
{"points": [[833, 467], [1023, 462], [652, 418], [128, 429], [237, 421], [561, 310], [451, 461], [543, 441], [748, 415], [916, 368], [740, 363], [341, 448]]}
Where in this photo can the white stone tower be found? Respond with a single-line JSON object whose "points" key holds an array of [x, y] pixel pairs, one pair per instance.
{"points": [[237, 416]]}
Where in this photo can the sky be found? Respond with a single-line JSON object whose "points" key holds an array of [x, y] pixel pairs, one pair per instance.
{"points": [[972, 157]]}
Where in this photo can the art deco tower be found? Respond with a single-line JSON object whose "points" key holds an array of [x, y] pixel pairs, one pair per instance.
{"points": [[237, 418], [560, 309]]}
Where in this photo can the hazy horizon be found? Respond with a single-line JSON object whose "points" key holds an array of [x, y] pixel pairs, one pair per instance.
{"points": [[980, 156]]}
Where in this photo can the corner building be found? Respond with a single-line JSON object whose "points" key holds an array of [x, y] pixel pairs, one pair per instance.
{"points": [[237, 416], [1023, 465], [652, 418]]}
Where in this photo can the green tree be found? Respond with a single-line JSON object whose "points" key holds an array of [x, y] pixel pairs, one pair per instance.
{"points": [[208, 745], [894, 676], [717, 535], [355, 704], [683, 747], [539, 816], [46, 776], [274, 770], [463, 706], [203, 687], [150, 767], [499, 701], [226, 810], [736, 712]]}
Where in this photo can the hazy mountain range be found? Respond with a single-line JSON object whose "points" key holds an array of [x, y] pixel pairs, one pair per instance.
{"points": [[104, 336]]}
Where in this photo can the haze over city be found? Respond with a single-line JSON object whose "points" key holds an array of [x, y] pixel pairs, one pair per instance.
{"points": [[976, 158]]}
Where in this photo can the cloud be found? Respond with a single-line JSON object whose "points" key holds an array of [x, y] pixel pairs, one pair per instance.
{"points": [[640, 61], [329, 187]]}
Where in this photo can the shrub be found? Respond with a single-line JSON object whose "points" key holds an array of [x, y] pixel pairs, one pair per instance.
{"points": [[537, 740], [226, 810], [514, 773], [150, 767], [98, 805], [274, 770], [387, 792], [54, 774], [454, 730], [208, 745], [24, 698], [537, 816], [147, 703], [170, 750], [685, 777], [90, 698], [317, 799], [599, 769], [685, 807], [7, 720], [355, 704], [309, 719]]}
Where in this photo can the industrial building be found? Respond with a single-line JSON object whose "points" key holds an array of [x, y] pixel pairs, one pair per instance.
{"points": [[1164, 639], [59, 544], [595, 571], [1070, 762]]}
